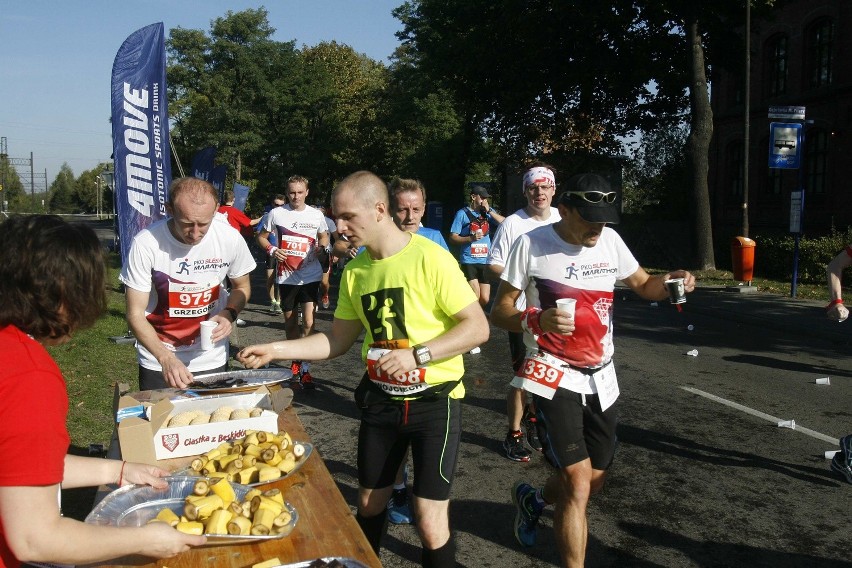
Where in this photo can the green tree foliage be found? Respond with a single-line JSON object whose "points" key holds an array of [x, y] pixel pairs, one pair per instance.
{"points": [[63, 192], [541, 77], [656, 177], [13, 192], [223, 89]]}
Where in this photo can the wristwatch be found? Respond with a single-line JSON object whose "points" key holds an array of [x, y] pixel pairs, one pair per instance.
{"points": [[422, 355]]}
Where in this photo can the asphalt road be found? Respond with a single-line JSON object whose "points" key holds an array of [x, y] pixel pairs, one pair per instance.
{"points": [[703, 475]]}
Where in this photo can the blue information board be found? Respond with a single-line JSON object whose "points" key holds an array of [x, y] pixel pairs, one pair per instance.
{"points": [[785, 141]]}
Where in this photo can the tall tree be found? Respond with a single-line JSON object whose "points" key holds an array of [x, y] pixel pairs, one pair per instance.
{"points": [[702, 36], [62, 192], [221, 87], [537, 78], [12, 194]]}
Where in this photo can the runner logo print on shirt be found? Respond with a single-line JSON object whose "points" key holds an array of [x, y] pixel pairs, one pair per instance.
{"points": [[385, 314]]}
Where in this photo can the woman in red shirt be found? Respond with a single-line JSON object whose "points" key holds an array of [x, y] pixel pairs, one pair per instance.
{"points": [[52, 283]]}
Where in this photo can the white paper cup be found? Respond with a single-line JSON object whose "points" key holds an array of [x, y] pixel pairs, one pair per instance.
{"points": [[823, 381], [207, 328], [566, 305], [787, 424], [831, 453]]}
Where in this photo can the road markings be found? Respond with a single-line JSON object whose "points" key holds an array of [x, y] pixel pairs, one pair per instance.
{"points": [[763, 415]]}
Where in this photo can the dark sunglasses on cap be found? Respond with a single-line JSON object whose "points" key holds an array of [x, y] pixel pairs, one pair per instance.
{"points": [[595, 196]]}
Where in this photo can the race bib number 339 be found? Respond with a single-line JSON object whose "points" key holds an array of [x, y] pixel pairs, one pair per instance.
{"points": [[192, 300], [540, 374]]}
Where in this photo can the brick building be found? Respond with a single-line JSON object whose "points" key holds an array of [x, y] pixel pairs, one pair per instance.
{"points": [[801, 57]]}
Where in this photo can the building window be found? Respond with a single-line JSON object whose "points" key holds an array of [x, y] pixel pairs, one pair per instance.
{"points": [[772, 176], [820, 41], [776, 66], [773, 181], [816, 161], [735, 169]]}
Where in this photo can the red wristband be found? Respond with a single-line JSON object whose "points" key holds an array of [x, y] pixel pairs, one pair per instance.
{"points": [[833, 303], [531, 321], [270, 249]]}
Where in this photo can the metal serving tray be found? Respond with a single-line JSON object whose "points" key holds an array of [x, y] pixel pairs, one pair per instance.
{"points": [[188, 471], [135, 505]]}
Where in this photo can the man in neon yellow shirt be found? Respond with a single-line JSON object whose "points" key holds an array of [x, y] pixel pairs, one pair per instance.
{"points": [[419, 319]]}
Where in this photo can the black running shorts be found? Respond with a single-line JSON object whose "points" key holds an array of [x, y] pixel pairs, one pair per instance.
{"points": [[292, 294], [476, 272], [433, 430], [571, 432]]}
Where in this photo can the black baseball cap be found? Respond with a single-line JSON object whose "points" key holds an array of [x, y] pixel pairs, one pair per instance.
{"points": [[592, 197], [480, 191]]}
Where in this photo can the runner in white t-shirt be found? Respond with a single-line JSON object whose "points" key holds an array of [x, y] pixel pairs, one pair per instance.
{"points": [[174, 277], [568, 366], [539, 186], [302, 252]]}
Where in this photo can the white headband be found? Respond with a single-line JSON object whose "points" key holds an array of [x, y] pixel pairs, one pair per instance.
{"points": [[538, 175]]}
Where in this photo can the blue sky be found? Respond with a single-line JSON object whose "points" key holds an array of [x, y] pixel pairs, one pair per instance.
{"points": [[56, 58]]}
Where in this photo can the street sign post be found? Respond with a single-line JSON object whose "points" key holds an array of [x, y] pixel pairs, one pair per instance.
{"points": [[785, 144], [786, 148]]}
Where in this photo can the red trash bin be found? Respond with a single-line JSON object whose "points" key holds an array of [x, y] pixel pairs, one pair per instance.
{"points": [[742, 258]]}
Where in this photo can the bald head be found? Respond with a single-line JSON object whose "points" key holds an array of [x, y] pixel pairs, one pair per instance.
{"points": [[194, 189], [366, 187]]}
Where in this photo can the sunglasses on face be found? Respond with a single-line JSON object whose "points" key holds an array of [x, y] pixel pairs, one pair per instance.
{"points": [[595, 196]]}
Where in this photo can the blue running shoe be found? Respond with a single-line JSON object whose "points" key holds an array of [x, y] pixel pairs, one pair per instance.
{"points": [[399, 510], [527, 514], [841, 466]]}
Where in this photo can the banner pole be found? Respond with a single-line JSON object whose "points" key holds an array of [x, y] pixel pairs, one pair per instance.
{"points": [[177, 160]]}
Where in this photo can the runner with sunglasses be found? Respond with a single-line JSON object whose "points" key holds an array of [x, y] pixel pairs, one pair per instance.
{"points": [[568, 366]]}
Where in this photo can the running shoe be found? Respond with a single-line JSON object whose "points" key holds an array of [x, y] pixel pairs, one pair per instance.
{"points": [[325, 302], [514, 446], [528, 511], [846, 447], [842, 466], [399, 510], [307, 381], [275, 308], [296, 380], [531, 430]]}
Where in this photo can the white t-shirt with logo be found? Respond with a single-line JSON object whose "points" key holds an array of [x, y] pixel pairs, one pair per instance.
{"points": [[547, 268], [515, 225], [185, 287], [297, 233]]}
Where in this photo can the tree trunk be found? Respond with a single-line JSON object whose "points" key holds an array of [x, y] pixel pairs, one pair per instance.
{"points": [[698, 150]]}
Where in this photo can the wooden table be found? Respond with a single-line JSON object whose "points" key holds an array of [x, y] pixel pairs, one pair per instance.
{"points": [[326, 527]]}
